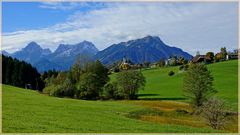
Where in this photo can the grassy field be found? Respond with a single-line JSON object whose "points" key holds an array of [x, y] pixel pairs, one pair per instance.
{"points": [[163, 87], [30, 111]]}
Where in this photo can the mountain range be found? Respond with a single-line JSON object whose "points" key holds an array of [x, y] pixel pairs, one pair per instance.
{"points": [[61, 59], [147, 49]]}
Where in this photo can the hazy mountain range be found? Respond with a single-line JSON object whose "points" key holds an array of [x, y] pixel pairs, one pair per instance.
{"points": [[147, 49]]}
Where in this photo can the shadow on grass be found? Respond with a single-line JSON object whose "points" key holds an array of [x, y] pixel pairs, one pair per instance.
{"points": [[177, 98], [156, 97], [141, 95]]}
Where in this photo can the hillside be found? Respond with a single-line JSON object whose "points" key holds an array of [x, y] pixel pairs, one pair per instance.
{"points": [[161, 86], [28, 111]]}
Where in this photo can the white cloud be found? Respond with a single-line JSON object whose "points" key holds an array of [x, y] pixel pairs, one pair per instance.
{"points": [[61, 5], [190, 26], [70, 5]]}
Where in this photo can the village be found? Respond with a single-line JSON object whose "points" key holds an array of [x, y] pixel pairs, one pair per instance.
{"points": [[208, 58]]}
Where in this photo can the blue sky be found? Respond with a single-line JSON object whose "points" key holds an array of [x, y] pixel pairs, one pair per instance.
{"points": [[24, 16], [195, 26], [34, 15]]}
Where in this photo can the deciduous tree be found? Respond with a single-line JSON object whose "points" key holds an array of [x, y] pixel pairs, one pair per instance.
{"points": [[130, 82], [198, 84]]}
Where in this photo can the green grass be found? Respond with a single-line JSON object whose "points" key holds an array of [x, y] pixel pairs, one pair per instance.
{"points": [[161, 86], [29, 111]]}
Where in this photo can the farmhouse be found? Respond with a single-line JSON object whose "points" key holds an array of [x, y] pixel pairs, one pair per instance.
{"points": [[231, 56], [199, 58], [172, 61]]}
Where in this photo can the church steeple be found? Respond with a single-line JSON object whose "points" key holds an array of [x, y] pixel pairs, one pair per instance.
{"points": [[124, 59]]}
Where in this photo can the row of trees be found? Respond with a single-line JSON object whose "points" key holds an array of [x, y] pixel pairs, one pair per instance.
{"points": [[221, 56], [198, 87], [90, 81], [83, 82], [20, 74]]}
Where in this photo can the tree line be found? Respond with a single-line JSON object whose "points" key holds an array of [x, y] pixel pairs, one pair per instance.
{"points": [[90, 81], [20, 74], [85, 80]]}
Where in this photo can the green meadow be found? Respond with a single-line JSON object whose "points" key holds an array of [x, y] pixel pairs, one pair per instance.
{"points": [[161, 86], [158, 112]]}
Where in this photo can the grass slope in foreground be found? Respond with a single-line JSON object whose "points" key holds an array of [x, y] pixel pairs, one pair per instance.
{"points": [[29, 111], [163, 87]]}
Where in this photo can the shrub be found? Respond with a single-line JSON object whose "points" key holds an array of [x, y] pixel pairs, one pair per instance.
{"points": [[56, 91], [110, 91], [116, 69], [68, 88], [48, 89], [185, 67], [181, 67], [215, 113], [171, 73]]}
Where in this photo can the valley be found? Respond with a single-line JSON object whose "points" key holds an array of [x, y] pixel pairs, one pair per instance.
{"points": [[161, 108]]}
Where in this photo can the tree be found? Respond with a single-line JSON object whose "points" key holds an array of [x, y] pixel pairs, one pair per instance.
{"points": [[77, 68], [215, 113], [82, 81], [146, 64], [99, 70], [60, 86], [217, 57], [210, 56], [235, 51], [223, 53], [161, 63], [88, 87], [75, 72], [19, 73], [182, 61], [130, 82], [197, 53], [68, 88], [198, 84], [110, 91], [61, 77], [173, 61]]}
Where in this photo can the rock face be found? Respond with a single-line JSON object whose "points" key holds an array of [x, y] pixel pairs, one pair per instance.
{"points": [[66, 55], [147, 49], [32, 53]]}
